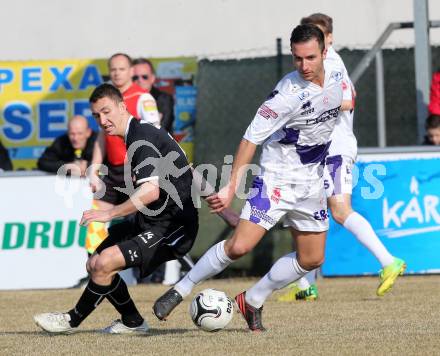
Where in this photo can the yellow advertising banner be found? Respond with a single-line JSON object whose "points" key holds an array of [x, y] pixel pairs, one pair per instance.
{"points": [[38, 97]]}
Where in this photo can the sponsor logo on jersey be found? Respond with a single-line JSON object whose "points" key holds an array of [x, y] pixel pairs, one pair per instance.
{"points": [[261, 214], [307, 107], [276, 195], [337, 76], [326, 115], [267, 112], [295, 88], [149, 105], [272, 94], [133, 255], [303, 95]]}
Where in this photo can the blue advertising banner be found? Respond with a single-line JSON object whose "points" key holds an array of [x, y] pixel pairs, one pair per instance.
{"points": [[399, 195]]}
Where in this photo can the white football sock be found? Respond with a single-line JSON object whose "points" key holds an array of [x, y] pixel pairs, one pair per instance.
{"points": [[306, 281], [283, 272], [362, 230], [211, 263]]}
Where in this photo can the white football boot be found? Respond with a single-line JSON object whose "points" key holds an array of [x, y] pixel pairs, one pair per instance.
{"points": [[56, 323], [117, 327]]}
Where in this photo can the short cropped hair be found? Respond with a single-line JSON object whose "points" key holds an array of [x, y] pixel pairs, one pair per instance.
{"points": [[432, 122], [304, 33], [318, 19], [144, 61], [129, 59], [106, 91]]}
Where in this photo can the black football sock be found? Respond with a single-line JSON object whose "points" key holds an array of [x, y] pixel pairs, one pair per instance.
{"points": [[92, 296], [119, 297]]}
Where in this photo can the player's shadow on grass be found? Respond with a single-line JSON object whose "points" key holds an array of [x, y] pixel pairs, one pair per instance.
{"points": [[151, 332], [44, 333]]}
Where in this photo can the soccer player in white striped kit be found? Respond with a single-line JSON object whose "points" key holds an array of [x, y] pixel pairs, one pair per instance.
{"points": [[339, 183], [294, 125]]}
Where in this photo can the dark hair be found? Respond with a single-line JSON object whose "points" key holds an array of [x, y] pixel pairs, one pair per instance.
{"points": [[144, 61], [318, 19], [130, 61], [106, 91], [305, 33], [432, 122]]}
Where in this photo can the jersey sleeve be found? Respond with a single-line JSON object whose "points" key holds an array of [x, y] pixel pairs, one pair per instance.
{"points": [[147, 110], [347, 86], [271, 116]]}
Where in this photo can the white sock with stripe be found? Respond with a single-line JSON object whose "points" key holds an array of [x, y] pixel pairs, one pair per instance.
{"points": [[285, 270], [211, 263]]}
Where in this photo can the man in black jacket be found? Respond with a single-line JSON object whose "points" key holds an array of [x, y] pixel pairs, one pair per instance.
{"points": [[5, 161], [73, 150], [145, 76]]}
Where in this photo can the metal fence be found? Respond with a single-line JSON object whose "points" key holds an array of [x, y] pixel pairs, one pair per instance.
{"points": [[230, 92]]}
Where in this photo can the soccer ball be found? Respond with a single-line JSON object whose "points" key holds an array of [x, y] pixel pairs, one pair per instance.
{"points": [[211, 310]]}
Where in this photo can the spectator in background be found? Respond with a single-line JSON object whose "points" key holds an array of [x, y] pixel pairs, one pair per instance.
{"points": [[432, 126], [74, 149], [434, 95], [144, 76], [5, 161]]}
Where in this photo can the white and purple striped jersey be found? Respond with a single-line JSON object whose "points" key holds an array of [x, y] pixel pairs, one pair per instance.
{"points": [[294, 125], [344, 142]]}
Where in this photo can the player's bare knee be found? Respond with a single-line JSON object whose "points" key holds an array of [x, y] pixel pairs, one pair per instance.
{"points": [[235, 249], [91, 263], [102, 265], [310, 263], [339, 215]]}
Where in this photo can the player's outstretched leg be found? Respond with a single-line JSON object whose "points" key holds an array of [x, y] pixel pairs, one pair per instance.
{"points": [[117, 293], [252, 315], [285, 270], [212, 262], [104, 283], [392, 267]]}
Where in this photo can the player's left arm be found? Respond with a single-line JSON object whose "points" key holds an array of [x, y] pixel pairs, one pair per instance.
{"points": [[347, 105], [145, 194], [347, 92]]}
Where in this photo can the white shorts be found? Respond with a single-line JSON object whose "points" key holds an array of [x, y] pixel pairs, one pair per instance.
{"points": [[338, 178], [304, 207]]}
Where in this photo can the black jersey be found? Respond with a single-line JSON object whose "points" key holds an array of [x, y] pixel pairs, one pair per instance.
{"points": [[153, 154]]}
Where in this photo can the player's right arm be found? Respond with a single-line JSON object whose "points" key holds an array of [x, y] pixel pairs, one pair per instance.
{"points": [[145, 194], [99, 152], [99, 149], [222, 200], [347, 91]]}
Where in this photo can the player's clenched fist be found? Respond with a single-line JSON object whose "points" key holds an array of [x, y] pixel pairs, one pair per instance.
{"points": [[222, 200]]}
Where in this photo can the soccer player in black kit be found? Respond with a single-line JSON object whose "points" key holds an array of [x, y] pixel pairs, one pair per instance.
{"points": [[164, 227]]}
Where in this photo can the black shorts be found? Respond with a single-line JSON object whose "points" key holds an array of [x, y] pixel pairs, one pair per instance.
{"points": [[149, 247], [114, 178]]}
